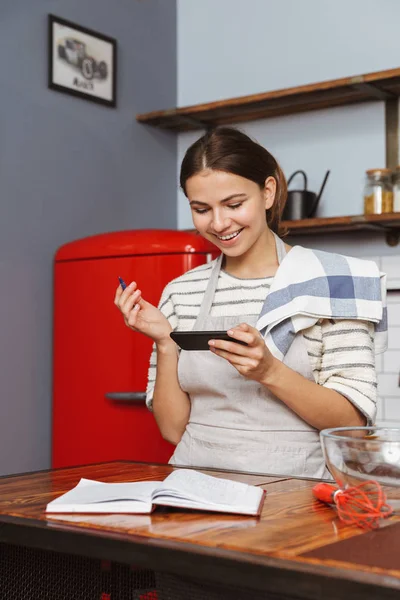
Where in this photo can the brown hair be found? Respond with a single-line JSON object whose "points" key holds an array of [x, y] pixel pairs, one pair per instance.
{"points": [[230, 150]]}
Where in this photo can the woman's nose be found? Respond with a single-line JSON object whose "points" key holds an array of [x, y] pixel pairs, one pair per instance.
{"points": [[219, 222]]}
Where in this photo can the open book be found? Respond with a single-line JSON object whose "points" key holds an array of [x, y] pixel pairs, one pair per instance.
{"points": [[183, 488]]}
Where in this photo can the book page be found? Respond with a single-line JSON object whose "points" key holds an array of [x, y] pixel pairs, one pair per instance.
{"points": [[94, 492], [198, 487], [126, 521]]}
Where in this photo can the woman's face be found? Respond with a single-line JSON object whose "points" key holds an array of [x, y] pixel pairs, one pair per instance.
{"points": [[229, 210]]}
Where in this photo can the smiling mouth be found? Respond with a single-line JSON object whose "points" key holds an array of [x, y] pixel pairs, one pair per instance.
{"points": [[225, 238]]}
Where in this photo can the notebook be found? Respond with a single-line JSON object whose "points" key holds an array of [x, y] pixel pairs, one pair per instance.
{"points": [[183, 488]]}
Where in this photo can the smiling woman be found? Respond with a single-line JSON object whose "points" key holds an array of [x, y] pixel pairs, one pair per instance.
{"points": [[227, 150], [230, 211], [304, 366]]}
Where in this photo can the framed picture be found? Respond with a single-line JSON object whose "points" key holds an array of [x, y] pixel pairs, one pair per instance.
{"points": [[82, 62]]}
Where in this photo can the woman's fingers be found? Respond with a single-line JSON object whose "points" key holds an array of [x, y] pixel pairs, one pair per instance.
{"points": [[235, 359], [229, 347], [122, 296], [131, 321], [131, 301], [128, 302], [251, 360], [117, 296], [245, 333], [131, 307], [240, 355]]}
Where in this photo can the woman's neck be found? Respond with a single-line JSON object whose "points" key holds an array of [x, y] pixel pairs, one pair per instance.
{"points": [[261, 260]]}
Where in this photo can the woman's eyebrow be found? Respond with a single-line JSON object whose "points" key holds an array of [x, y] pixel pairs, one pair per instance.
{"points": [[224, 200]]}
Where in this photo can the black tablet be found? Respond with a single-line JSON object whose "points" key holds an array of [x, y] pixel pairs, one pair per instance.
{"points": [[198, 340]]}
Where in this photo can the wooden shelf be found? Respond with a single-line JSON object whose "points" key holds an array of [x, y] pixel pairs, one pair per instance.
{"points": [[382, 85], [385, 222], [388, 223]]}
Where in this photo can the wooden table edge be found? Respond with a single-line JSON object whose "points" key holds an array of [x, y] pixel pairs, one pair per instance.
{"points": [[311, 579]]}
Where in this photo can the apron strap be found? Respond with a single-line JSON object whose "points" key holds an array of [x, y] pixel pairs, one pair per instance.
{"points": [[209, 294]]}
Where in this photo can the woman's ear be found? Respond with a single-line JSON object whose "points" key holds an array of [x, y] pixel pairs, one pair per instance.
{"points": [[269, 192]]}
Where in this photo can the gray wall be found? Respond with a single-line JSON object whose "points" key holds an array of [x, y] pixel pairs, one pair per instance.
{"points": [[259, 45], [230, 48], [70, 168]]}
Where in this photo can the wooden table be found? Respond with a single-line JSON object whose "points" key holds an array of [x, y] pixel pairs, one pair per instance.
{"points": [[297, 549]]}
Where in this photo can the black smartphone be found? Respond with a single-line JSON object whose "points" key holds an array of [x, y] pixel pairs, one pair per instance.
{"points": [[198, 340]]}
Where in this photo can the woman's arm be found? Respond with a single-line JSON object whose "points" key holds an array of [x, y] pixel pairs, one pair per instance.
{"points": [[164, 396], [320, 405], [171, 405], [343, 360]]}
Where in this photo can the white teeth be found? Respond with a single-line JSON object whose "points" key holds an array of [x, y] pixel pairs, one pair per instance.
{"points": [[229, 237]]}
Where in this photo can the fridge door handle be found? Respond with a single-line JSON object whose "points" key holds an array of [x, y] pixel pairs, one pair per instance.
{"points": [[134, 397]]}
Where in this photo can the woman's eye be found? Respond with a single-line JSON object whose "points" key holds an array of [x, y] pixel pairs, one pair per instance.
{"points": [[235, 205], [200, 211]]}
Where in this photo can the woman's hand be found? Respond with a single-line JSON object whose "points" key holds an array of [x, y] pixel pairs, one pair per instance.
{"points": [[142, 316], [253, 361]]}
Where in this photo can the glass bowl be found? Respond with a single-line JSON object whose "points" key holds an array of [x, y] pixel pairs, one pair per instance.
{"points": [[358, 454]]}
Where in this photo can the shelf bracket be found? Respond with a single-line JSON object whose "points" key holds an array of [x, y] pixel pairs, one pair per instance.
{"points": [[392, 237], [392, 132], [392, 234], [372, 90]]}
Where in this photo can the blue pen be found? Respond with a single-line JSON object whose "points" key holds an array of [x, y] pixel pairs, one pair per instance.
{"points": [[122, 282]]}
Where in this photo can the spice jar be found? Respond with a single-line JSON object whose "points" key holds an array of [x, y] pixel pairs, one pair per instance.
{"points": [[378, 192], [396, 190]]}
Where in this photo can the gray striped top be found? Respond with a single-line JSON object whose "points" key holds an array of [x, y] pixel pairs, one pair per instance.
{"points": [[341, 353]]}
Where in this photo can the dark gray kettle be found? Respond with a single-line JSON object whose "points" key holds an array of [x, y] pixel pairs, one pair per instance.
{"points": [[302, 204]]}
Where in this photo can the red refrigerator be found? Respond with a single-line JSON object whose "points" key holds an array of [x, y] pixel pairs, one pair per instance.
{"points": [[100, 366]]}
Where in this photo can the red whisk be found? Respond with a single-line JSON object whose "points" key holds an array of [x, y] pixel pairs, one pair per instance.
{"points": [[362, 504]]}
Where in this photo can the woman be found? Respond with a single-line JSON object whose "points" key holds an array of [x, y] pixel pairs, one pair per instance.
{"points": [[258, 407]]}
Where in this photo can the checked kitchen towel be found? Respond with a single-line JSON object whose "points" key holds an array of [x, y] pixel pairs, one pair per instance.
{"points": [[310, 285]]}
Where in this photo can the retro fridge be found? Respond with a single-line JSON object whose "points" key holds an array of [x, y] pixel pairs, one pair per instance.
{"points": [[100, 366]]}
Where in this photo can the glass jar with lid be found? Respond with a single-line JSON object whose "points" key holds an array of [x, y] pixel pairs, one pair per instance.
{"points": [[378, 192], [396, 189]]}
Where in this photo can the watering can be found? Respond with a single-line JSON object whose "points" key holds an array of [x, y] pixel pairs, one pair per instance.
{"points": [[302, 204]]}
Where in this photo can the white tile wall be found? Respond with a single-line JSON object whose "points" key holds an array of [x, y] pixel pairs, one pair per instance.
{"points": [[388, 365], [388, 385], [391, 266], [379, 362], [390, 362]]}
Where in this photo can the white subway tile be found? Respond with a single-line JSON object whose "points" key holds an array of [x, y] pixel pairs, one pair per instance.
{"points": [[388, 385], [393, 314], [379, 363], [380, 410], [391, 266], [391, 361], [392, 409], [395, 423], [394, 338]]}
